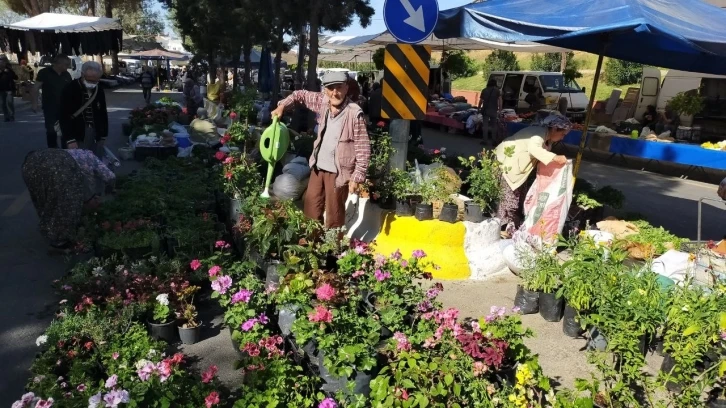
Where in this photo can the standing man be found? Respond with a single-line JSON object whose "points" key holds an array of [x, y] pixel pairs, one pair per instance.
{"points": [[147, 82], [341, 151], [7, 88], [52, 80], [83, 116], [490, 104]]}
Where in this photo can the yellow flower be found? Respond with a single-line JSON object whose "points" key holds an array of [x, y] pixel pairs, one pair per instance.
{"points": [[524, 374], [512, 397], [641, 291]]}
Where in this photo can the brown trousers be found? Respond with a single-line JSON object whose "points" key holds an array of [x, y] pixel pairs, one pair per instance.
{"points": [[322, 197]]}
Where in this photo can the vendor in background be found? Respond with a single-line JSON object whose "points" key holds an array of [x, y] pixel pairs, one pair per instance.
{"points": [[7, 88], [519, 154], [490, 104], [669, 121], [61, 183], [341, 151], [374, 103], [650, 117], [192, 96], [203, 130], [353, 89], [51, 80], [217, 88]]}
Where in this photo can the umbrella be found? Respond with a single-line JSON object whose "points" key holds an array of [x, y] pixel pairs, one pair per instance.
{"points": [[158, 54], [688, 35], [265, 76]]}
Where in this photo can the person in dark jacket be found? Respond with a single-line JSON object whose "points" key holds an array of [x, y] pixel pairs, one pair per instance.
{"points": [[7, 88], [374, 103], [84, 128]]}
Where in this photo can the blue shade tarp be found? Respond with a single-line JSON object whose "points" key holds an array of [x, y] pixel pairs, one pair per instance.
{"points": [[687, 35]]}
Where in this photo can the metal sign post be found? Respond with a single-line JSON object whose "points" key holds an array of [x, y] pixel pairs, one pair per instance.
{"points": [[406, 71]]}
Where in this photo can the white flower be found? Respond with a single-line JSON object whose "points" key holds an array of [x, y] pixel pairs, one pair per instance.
{"points": [[97, 271], [41, 340], [95, 401], [152, 259], [163, 299], [38, 378], [151, 353], [141, 363]]}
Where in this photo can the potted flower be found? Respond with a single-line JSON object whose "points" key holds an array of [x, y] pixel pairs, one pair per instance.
{"points": [[540, 281], [402, 188], [163, 322], [241, 179], [190, 329], [446, 188], [484, 185]]}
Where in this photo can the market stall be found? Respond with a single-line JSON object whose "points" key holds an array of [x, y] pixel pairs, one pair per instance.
{"points": [[51, 33]]}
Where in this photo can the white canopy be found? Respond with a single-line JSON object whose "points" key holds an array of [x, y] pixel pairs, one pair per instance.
{"points": [[375, 41], [66, 23]]}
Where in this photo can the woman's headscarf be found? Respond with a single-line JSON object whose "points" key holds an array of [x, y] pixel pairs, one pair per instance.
{"points": [[557, 122]]}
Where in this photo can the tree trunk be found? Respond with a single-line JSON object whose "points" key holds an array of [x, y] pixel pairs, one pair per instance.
{"points": [[246, 52], [276, 84], [114, 54], [301, 49], [235, 68], [563, 61], [313, 57], [212, 67]]}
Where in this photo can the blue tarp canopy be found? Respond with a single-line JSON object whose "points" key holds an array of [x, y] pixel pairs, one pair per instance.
{"points": [[687, 35]]}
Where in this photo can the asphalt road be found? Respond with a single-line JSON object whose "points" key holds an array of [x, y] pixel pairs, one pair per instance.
{"points": [[27, 303]]}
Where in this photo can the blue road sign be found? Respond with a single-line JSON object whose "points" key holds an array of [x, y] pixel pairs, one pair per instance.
{"points": [[411, 21]]}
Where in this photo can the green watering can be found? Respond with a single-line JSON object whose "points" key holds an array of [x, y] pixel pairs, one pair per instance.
{"points": [[274, 143]]}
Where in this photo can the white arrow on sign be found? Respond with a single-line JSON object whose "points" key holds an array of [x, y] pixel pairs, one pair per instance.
{"points": [[415, 17]]}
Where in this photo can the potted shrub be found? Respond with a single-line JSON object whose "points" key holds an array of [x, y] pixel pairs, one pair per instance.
{"points": [[241, 179], [424, 209], [484, 185], [190, 329], [163, 322], [687, 104], [540, 281], [402, 188]]}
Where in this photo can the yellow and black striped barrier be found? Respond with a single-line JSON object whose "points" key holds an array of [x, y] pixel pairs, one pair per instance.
{"points": [[405, 81]]}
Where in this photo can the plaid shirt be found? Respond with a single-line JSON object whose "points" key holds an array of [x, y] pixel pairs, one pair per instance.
{"points": [[315, 102]]}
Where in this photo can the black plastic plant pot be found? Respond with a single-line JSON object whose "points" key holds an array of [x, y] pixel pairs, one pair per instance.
{"points": [[424, 212], [526, 300], [716, 399], [473, 212], [570, 323], [667, 367], [449, 213], [166, 331], [361, 381], [388, 204], [404, 208], [190, 335], [551, 308]]}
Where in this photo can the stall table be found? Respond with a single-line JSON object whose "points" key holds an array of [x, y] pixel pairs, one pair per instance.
{"points": [[693, 156], [443, 120]]}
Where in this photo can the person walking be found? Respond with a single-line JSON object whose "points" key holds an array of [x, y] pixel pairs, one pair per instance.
{"points": [[147, 82], [7, 88], [490, 104], [51, 80], [83, 117], [60, 182], [519, 155], [192, 95], [341, 151]]}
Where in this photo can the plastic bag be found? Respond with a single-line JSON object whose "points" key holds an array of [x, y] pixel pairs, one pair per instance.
{"points": [[527, 301], [570, 325], [288, 187], [551, 307], [300, 171], [548, 201]]}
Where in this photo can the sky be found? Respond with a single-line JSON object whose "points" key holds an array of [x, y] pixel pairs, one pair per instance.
{"points": [[377, 24]]}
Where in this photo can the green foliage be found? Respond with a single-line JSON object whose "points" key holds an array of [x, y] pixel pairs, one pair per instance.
{"points": [[500, 60], [551, 61], [659, 238], [687, 103], [483, 179], [544, 274], [243, 104], [618, 72], [240, 177], [378, 58], [381, 150], [458, 64], [402, 184]]}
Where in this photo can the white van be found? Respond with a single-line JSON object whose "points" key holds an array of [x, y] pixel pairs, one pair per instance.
{"points": [[657, 93], [516, 85]]}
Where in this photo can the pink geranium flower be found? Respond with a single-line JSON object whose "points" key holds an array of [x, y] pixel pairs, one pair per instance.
{"points": [[243, 295], [221, 284], [220, 156], [212, 399], [381, 276], [419, 253], [325, 292], [402, 343], [214, 271], [328, 403], [320, 315], [208, 375], [195, 264]]}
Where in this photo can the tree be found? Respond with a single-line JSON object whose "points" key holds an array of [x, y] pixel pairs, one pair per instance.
{"points": [[552, 62], [333, 16], [8, 16], [378, 58], [500, 60], [32, 7], [458, 64], [143, 22], [619, 72]]}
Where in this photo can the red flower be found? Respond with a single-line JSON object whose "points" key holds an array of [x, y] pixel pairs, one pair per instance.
{"points": [[381, 124], [208, 375], [226, 138], [228, 175], [212, 399], [220, 156], [233, 115], [437, 151], [178, 358], [88, 345]]}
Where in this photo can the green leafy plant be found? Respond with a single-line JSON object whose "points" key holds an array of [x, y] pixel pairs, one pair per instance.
{"points": [[402, 184], [687, 103], [618, 72], [241, 178], [660, 239], [544, 273], [483, 179], [163, 312], [500, 60], [381, 150]]}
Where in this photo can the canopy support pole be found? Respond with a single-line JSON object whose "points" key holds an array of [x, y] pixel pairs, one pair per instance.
{"points": [[583, 139]]}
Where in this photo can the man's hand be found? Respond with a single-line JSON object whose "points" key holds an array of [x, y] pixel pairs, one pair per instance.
{"points": [[353, 187], [73, 145], [561, 160], [278, 112]]}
